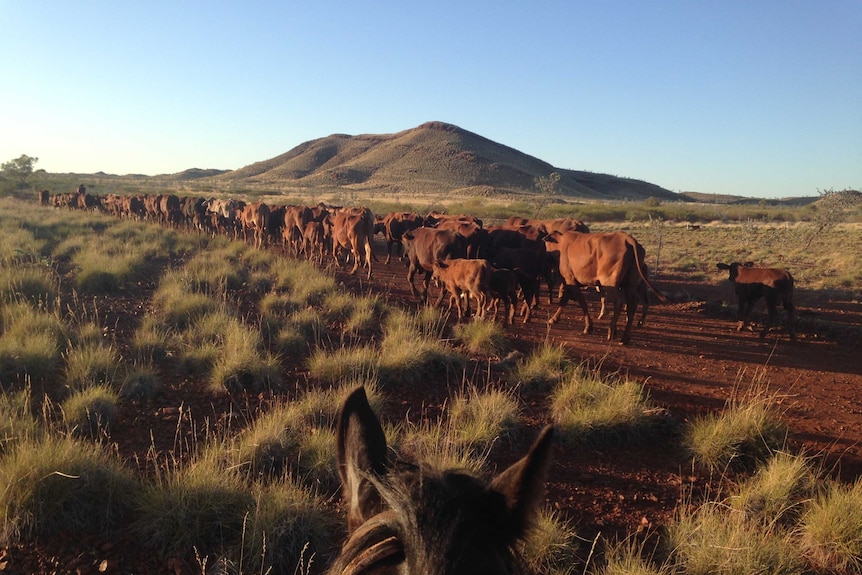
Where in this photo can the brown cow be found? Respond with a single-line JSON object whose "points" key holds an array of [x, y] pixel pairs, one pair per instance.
{"points": [[352, 230], [295, 218], [394, 225], [424, 246], [752, 283], [470, 278], [529, 266], [469, 227], [610, 262], [254, 218], [314, 245], [504, 288]]}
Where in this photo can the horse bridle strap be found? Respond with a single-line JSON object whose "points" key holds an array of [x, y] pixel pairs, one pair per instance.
{"points": [[377, 552]]}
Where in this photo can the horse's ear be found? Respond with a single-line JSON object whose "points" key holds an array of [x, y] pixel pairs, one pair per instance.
{"points": [[362, 451], [523, 483]]}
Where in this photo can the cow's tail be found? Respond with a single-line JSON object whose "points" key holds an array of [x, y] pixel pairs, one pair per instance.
{"points": [[634, 244]]}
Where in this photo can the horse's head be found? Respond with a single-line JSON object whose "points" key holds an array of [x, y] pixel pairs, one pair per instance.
{"points": [[414, 519]]}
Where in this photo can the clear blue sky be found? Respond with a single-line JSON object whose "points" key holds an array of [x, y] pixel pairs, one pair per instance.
{"points": [[756, 98]]}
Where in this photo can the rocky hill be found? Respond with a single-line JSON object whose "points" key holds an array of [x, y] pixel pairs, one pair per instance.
{"points": [[430, 159]]}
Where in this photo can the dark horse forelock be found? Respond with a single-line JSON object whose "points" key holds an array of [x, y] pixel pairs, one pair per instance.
{"points": [[435, 522], [420, 520]]}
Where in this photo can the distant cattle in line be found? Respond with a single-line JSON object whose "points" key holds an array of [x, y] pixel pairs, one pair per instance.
{"points": [[425, 246], [751, 283], [470, 278], [609, 262]]}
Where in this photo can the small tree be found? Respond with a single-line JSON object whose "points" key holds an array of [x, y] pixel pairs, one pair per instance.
{"points": [[830, 210], [548, 188], [16, 173]]}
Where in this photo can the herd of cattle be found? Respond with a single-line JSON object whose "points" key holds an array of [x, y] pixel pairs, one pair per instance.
{"points": [[491, 265]]}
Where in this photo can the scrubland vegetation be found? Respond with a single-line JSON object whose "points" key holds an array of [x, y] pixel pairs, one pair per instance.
{"points": [[257, 493]]}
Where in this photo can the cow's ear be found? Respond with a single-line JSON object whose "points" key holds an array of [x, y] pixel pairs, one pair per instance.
{"points": [[441, 264], [408, 236], [523, 483], [362, 454], [722, 266]]}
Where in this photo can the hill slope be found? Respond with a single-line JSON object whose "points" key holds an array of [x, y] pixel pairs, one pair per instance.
{"points": [[432, 158]]}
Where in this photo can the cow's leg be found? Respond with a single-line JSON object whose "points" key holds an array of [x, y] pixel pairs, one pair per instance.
{"points": [[425, 283], [368, 256], [771, 301], [614, 293], [744, 310], [644, 293], [631, 309], [563, 300], [791, 318], [388, 251], [411, 272]]}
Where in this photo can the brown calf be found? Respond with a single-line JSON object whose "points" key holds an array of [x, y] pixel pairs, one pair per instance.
{"points": [[472, 278], [752, 283]]}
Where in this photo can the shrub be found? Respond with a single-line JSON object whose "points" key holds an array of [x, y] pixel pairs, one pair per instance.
{"points": [[481, 418]]}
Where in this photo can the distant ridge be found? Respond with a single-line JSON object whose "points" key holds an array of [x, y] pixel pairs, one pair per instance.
{"points": [[431, 158]]}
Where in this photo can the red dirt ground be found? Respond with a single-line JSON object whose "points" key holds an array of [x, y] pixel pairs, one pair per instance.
{"points": [[688, 354]]}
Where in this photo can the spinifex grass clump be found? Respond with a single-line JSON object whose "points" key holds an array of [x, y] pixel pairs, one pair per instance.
{"points": [[17, 423], [552, 545], [589, 408], [106, 271], [35, 285], [178, 305], [746, 433], [289, 524], [302, 332], [32, 342], [197, 506], [482, 336], [464, 437], [241, 363], [93, 364], [831, 530], [778, 491], [712, 539], [56, 484], [410, 351], [543, 369], [484, 417], [90, 412]]}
